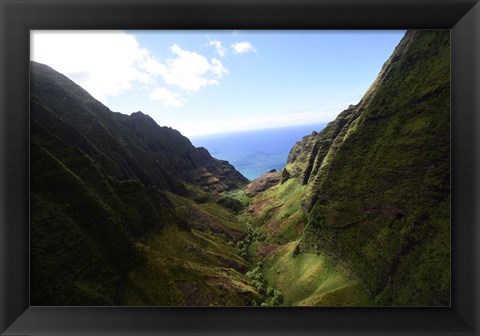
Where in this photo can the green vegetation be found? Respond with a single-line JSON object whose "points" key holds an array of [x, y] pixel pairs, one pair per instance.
{"points": [[311, 279], [254, 234], [189, 268], [298, 278], [271, 297], [239, 195], [106, 188], [279, 211], [70, 259], [369, 194], [125, 212], [380, 204]]}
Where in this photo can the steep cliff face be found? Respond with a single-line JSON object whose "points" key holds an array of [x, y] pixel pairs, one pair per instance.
{"points": [[309, 159], [127, 147], [377, 194], [190, 164], [115, 199]]}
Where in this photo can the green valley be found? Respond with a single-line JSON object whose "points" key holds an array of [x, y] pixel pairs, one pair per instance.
{"points": [[126, 212]]}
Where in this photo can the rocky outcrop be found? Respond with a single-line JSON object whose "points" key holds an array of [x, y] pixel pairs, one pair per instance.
{"points": [[285, 176], [264, 182]]}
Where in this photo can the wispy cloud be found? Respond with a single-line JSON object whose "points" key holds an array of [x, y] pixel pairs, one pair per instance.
{"points": [[243, 47], [167, 97], [218, 47]]}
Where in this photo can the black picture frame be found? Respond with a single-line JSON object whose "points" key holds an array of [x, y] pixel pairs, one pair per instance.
{"points": [[18, 17]]}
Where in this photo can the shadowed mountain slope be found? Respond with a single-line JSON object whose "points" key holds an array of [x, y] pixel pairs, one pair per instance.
{"points": [[104, 183], [127, 147]]}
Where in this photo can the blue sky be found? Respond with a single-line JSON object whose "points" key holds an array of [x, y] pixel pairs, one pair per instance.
{"points": [[204, 82]]}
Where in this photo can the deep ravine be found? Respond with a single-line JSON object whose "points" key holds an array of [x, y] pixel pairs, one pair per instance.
{"points": [[126, 212]]}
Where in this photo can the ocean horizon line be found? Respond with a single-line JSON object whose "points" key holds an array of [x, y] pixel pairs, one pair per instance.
{"points": [[321, 124], [256, 152]]}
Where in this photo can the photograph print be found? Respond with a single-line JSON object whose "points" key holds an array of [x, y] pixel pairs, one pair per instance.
{"points": [[240, 168]]}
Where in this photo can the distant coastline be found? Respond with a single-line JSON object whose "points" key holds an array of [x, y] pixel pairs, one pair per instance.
{"points": [[255, 152]]}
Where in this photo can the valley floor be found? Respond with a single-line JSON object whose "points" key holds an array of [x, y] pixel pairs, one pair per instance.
{"points": [[213, 256]]}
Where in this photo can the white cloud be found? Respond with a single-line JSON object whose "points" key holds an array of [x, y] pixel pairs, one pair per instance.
{"points": [[105, 63], [218, 47], [109, 63], [167, 97], [243, 47], [190, 71], [153, 67]]}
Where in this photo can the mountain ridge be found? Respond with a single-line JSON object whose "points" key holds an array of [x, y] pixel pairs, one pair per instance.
{"points": [[377, 179], [129, 154], [126, 212], [103, 183]]}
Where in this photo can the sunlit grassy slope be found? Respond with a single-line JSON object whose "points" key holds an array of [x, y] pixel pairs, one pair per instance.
{"points": [[278, 210], [303, 278], [309, 279]]}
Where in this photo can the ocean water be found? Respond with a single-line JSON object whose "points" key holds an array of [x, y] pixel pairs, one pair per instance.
{"points": [[255, 152]]}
